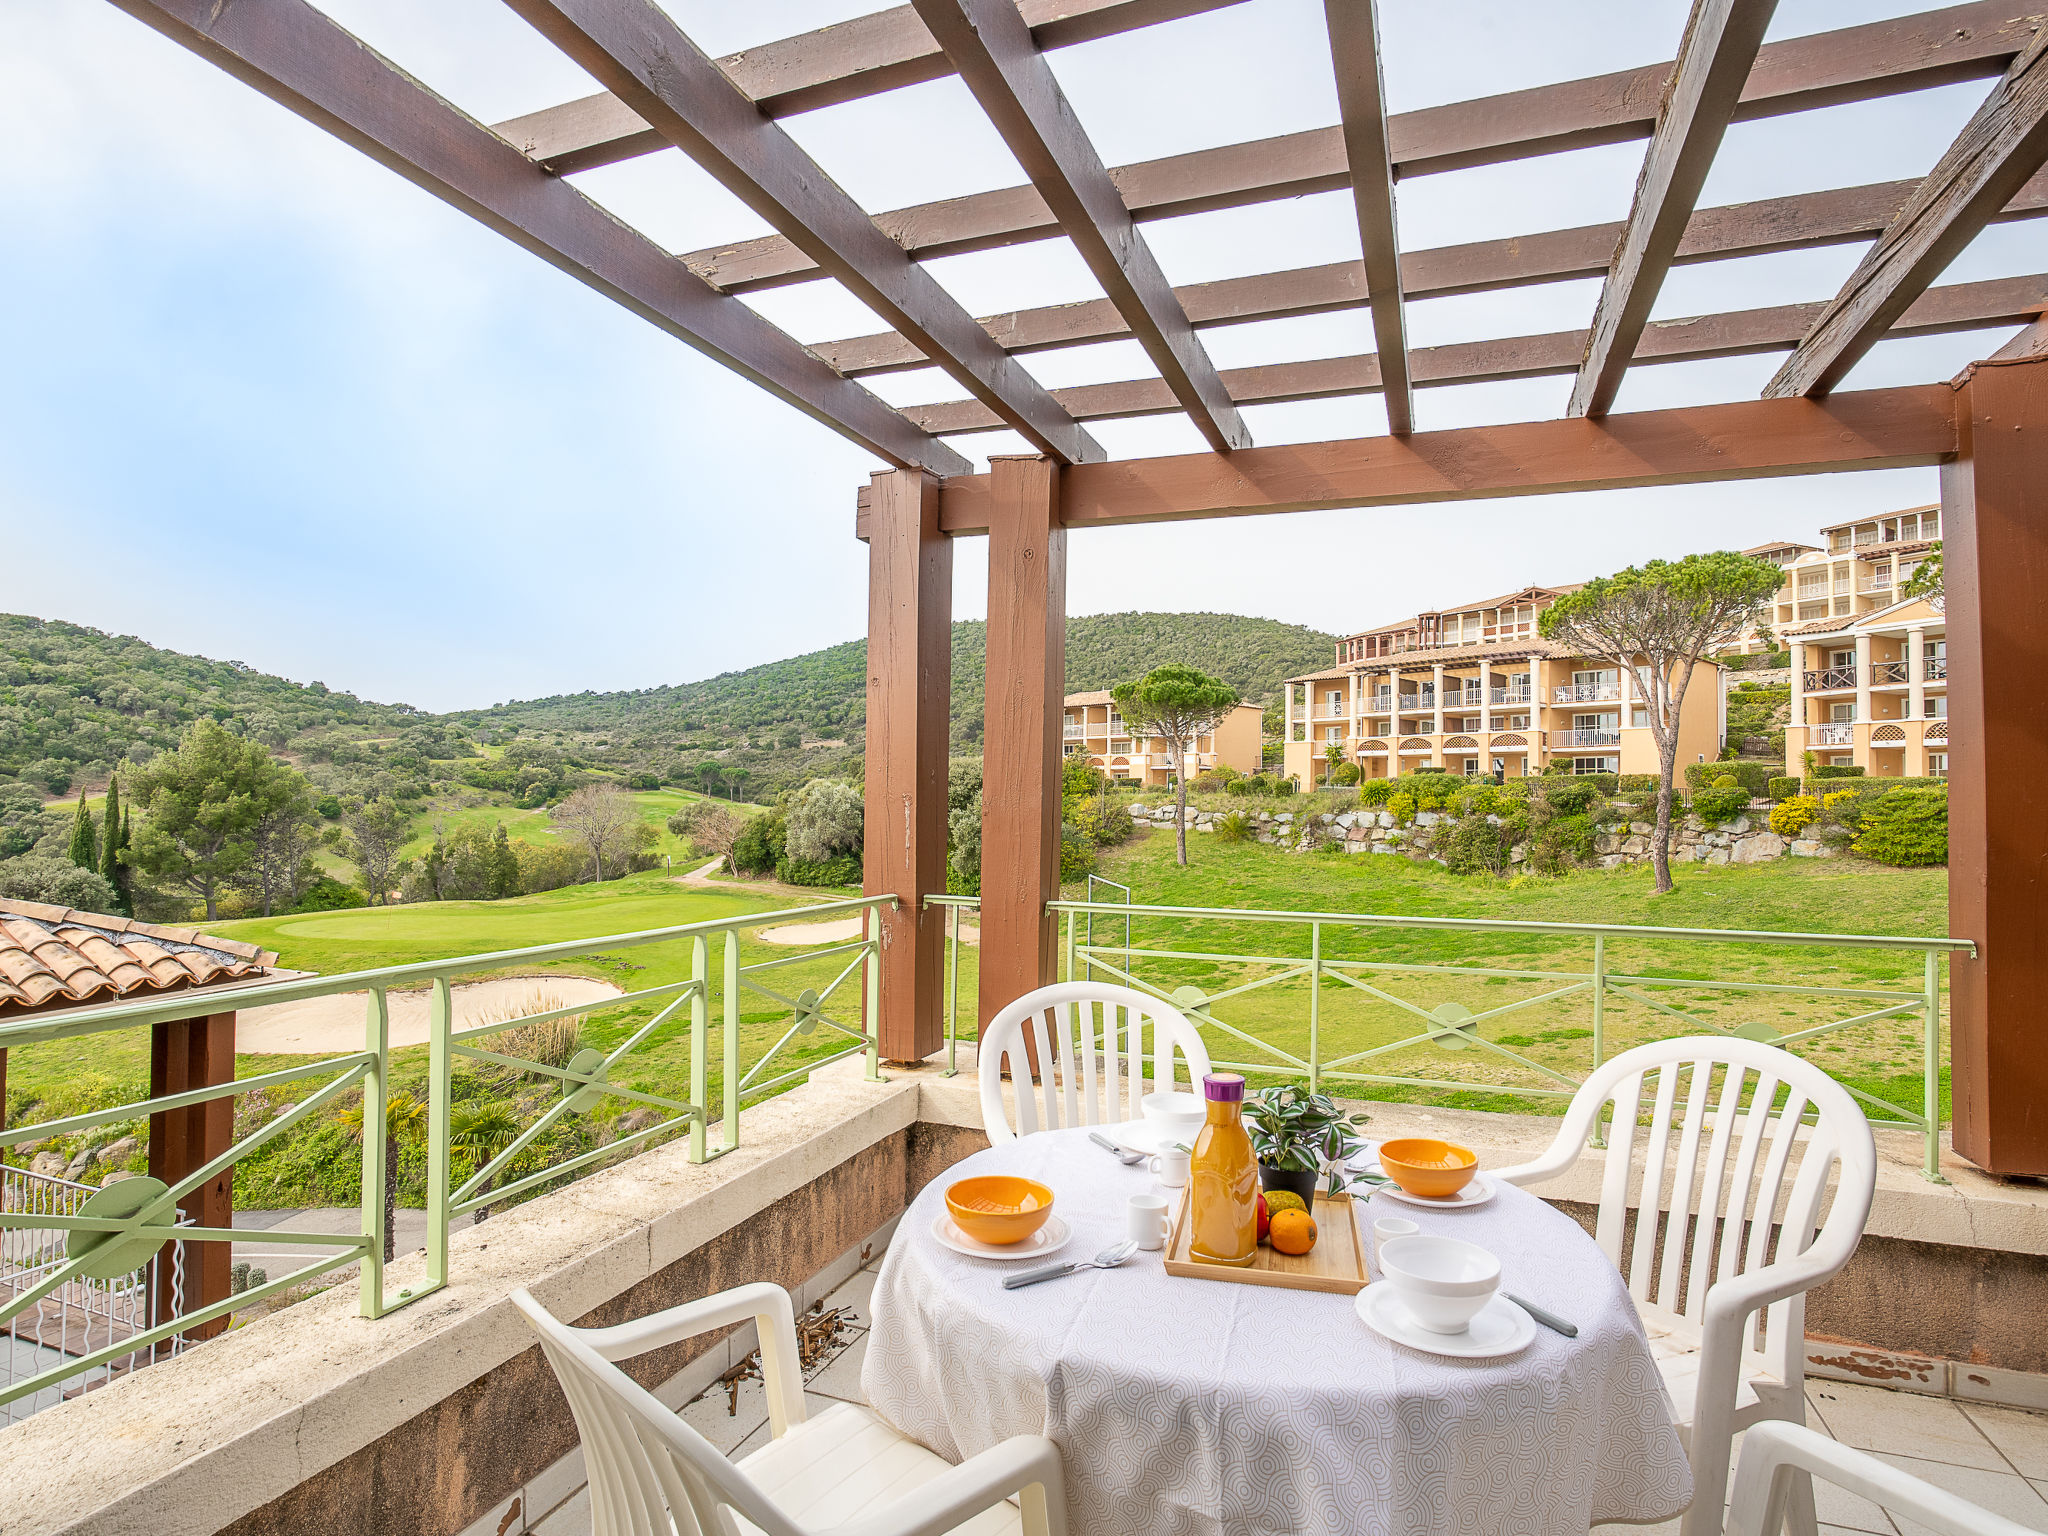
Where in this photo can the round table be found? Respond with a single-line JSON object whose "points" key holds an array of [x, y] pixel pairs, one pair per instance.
{"points": [[1199, 1406]]}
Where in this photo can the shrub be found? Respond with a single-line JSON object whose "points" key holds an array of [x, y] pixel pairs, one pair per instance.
{"points": [[327, 894], [1345, 773], [1077, 854], [1722, 804], [1233, 828], [1842, 808], [1838, 771], [1079, 779], [824, 824], [1481, 799], [1637, 784], [963, 779], [1561, 843], [1402, 805], [643, 781], [709, 826], [1474, 846], [760, 846], [1242, 788], [328, 806], [548, 866], [56, 882], [1573, 797], [1781, 788], [1793, 815], [1284, 788], [1104, 822], [841, 869], [1752, 776], [1907, 828], [1726, 781], [963, 863], [1375, 792]]}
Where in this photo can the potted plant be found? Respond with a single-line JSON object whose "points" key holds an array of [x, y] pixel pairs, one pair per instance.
{"points": [[1296, 1134]]}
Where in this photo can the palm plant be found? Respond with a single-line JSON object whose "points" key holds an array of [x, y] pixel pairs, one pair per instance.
{"points": [[405, 1123], [480, 1130]]}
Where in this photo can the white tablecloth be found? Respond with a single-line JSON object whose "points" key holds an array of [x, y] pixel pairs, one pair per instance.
{"points": [[1195, 1406]]}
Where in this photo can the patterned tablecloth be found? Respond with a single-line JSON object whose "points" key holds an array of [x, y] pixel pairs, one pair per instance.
{"points": [[1193, 1406]]}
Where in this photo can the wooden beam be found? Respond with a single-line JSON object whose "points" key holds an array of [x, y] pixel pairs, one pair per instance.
{"points": [[910, 670], [1354, 27], [1941, 311], [1800, 222], [847, 61], [188, 1054], [2032, 342], [992, 49], [1998, 151], [1995, 572], [1886, 58], [1021, 734], [647, 61], [299, 58], [1720, 46], [1748, 440]]}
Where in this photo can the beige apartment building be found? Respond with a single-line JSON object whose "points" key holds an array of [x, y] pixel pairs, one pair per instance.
{"points": [[1093, 729], [1858, 569], [1477, 691]]}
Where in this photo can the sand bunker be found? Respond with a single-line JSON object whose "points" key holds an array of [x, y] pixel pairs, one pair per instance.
{"points": [[837, 931], [328, 1026]]}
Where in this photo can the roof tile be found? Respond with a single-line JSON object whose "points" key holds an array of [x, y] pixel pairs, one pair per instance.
{"points": [[53, 956]]}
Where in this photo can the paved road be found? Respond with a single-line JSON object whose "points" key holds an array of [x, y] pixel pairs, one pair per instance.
{"points": [[281, 1258]]}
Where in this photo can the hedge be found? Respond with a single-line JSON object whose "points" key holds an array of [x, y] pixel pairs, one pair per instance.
{"points": [[1751, 775], [843, 870], [1782, 788], [1907, 828], [1785, 789], [1838, 771], [1637, 784]]}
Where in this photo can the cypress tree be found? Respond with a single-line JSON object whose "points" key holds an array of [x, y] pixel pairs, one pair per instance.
{"points": [[110, 848], [84, 844]]}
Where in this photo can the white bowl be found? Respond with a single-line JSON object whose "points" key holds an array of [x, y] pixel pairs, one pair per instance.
{"points": [[1442, 1281], [1176, 1116]]}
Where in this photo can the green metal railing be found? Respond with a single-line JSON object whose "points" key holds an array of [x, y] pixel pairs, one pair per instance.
{"points": [[1454, 1026], [122, 1226]]}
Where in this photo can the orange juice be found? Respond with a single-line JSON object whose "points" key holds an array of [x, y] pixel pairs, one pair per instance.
{"points": [[1223, 1179]]}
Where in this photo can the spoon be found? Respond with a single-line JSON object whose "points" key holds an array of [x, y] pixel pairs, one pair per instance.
{"points": [[1109, 1258], [1123, 1155]]}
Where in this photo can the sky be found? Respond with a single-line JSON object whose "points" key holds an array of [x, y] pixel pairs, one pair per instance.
{"points": [[265, 401]]}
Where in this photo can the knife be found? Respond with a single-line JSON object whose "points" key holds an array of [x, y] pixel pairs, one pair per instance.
{"points": [[1549, 1320]]}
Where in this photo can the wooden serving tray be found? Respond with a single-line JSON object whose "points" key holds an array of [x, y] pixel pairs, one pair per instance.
{"points": [[1336, 1264]]}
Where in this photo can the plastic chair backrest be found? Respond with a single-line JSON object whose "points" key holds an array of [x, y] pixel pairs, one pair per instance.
{"points": [[1088, 1039], [646, 1467], [1711, 1204]]}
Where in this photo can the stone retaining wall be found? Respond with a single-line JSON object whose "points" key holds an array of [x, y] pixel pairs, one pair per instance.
{"points": [[1748, 839]]}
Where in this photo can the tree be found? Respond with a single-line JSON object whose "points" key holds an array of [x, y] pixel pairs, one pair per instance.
{"points": [[737, 777], [710, 775], [480, 1130], [710, 827], [1926, 579], [405, 1123], [504, 865], [282, 843], [824, 821], [84, 843], [1333, 753], [1179, 704], [55, 883], [1657, 621], [202, 804], [372, 833], [599, 817], [110, 866]]}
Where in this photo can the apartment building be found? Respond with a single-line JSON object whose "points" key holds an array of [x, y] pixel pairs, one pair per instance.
{"points": [[1859, 568], [1870, 690], [1475, 690], [1093, 728]]}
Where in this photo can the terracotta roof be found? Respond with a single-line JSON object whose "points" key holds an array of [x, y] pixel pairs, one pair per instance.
{"points": [[1764, 549], [1874, 517], [1099, 696], [1876, 552], [1485, 650], [53, 957], [1520, 594]]}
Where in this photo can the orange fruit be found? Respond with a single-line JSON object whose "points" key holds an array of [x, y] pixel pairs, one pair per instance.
{"points": [[1293, 1232]]}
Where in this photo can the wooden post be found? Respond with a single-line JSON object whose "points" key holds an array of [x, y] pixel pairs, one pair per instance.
{"points": [[1026, 694], [1995, 569], [194, 1053], [910, 685]]}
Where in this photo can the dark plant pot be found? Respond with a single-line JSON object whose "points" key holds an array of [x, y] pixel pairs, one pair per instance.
{"points": [[1298, 1181]]}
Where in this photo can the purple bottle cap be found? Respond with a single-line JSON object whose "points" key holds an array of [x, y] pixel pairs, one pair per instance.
{"points": [[1223, 1088]]}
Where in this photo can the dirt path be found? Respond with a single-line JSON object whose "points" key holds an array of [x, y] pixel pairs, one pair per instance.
{"points": [[327, 1026], [832, 931]]}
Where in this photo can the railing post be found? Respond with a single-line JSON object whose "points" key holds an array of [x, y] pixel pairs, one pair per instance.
{"points": [[700, 1044], [441, 1024], [1068, 950], [1930, 1063], [732, 1039], [873, 979], [952, 990], [377, 1042], [1315, 1007], [1599, 1137]]}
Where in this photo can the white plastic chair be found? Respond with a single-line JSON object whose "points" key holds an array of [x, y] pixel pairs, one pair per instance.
{"points": [[1776, 1456], [1724, 1310], [1089, 1039], [847, 1471]]}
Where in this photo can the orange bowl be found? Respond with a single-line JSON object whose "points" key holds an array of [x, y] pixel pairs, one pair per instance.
{"points": [[998, 1208], [1424, 1166]]}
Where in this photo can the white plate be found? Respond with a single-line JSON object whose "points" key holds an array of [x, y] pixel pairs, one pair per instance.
{"points": [[1501, 1327], [1137, 1136], [1478, 1192], [1050, 1238]]}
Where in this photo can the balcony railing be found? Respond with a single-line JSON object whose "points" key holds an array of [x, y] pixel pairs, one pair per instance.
{"points": [[1874, 584], [1837, 735], [1819, 679], [1583, 738], [1334, 1010], [1518, 695], [1889, 672], [1937, 669], [1469, 698], [819, 1030], [1076, 732], [1585, 693]]}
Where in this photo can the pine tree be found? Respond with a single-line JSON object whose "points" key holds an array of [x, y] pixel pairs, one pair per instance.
{"points": [[110, 849], [84, 844]]}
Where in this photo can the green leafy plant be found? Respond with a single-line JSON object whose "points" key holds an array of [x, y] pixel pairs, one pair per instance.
{"points": [[1236, 827], [1906, 828], [1719, 805], [1296, 1129]]}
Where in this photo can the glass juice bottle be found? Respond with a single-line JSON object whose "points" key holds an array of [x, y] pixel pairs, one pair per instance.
{"points": [[1223, 1179]]}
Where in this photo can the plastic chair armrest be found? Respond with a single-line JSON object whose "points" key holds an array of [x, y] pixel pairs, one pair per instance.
{"points": [[1023, 1464], [1774, 1449]]}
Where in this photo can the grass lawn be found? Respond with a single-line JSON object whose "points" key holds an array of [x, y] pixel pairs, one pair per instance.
{"points": [[1881, 1058]]}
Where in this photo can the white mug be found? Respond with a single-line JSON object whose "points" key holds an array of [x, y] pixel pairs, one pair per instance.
{"points": [[1145, 1221], [1171, 1167], [1385, 1228]]}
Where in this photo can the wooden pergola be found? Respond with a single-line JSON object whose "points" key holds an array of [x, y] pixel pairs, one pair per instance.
{"points": [[1988, 428]]}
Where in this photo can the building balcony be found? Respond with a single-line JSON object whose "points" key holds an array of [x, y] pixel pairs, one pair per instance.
{"points": [[1835, 734], [1585, 693], [1508, 695], [1882, 672], [1468, 698], [1076, 732], [1936, 669], [1583, 738], [1822, 679]]}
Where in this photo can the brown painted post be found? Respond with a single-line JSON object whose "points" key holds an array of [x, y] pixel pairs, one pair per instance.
{"points": [[1027, 671], [194, 1053], [910, 686], [1995, 567]]}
